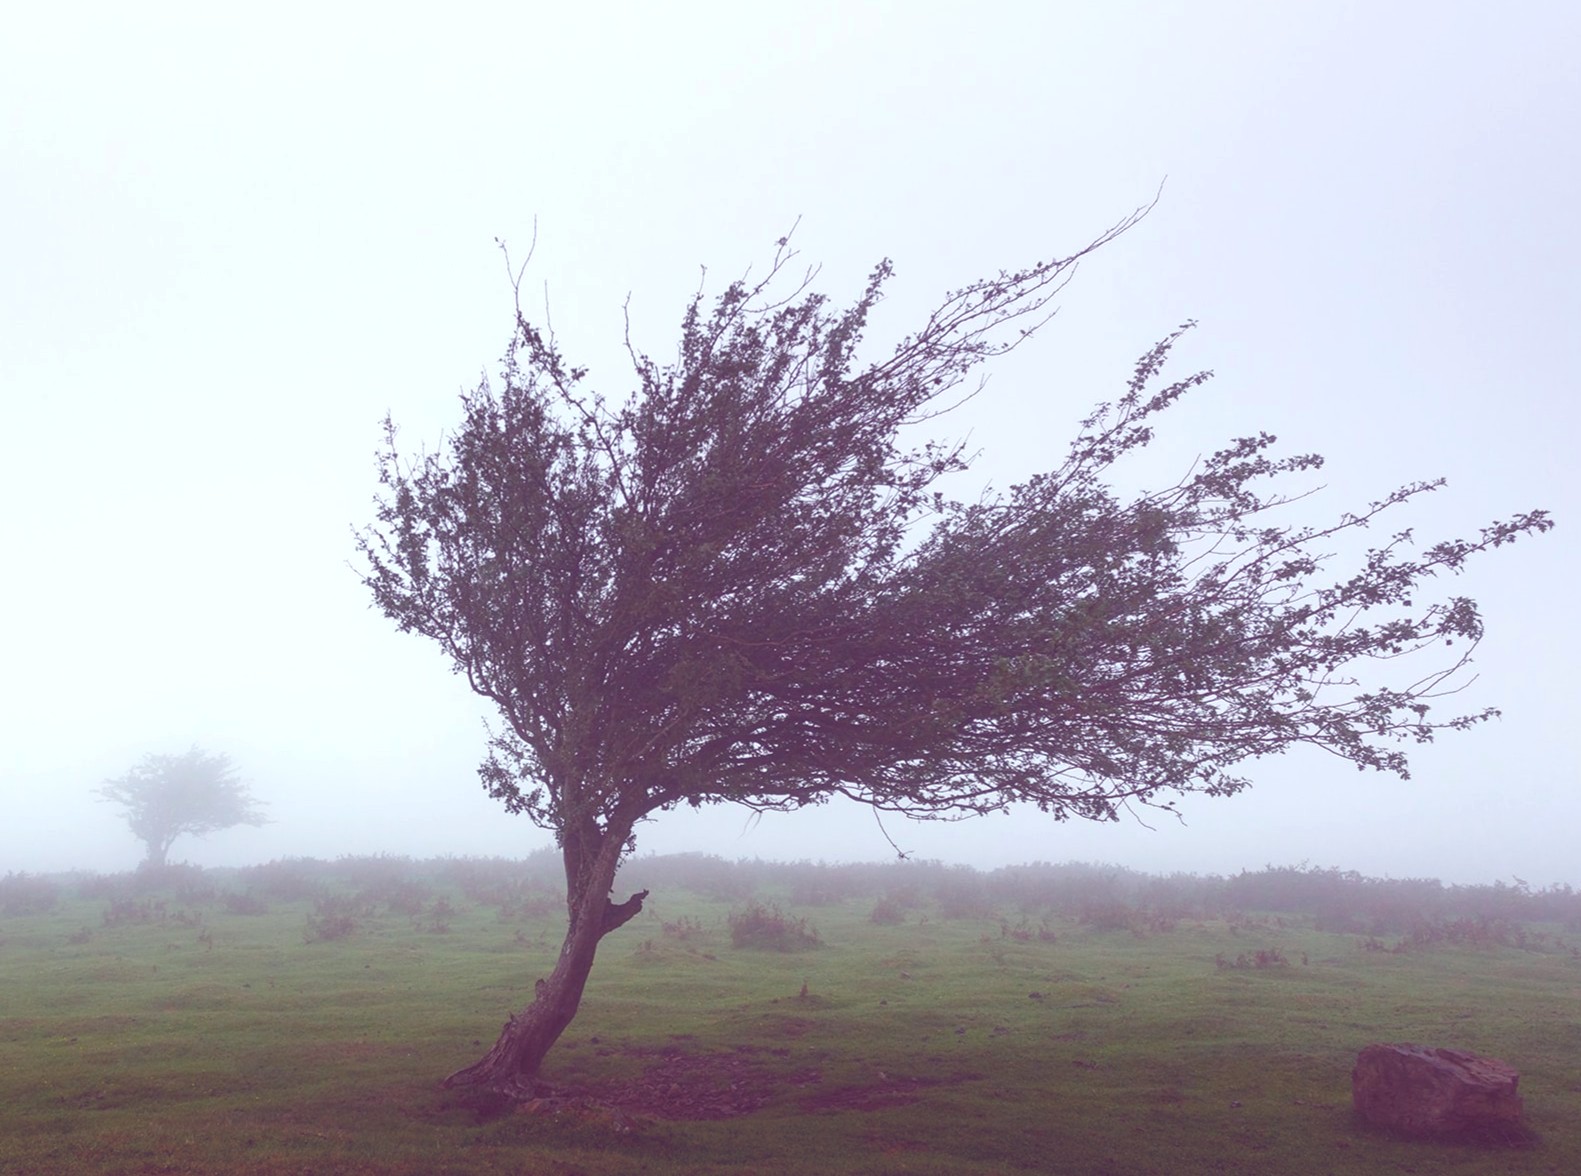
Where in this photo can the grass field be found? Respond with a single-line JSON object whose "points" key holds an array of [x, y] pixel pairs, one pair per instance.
{"points": [[287, 1023]]}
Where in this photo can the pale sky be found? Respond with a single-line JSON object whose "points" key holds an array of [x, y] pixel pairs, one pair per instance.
{"points": [[229, 244]]}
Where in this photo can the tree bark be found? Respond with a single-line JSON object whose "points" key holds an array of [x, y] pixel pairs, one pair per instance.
{"points": [[510, 1068]]}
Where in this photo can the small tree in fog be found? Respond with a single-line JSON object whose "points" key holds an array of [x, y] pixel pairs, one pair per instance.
{"points": [[739, 585], [166, 796]]}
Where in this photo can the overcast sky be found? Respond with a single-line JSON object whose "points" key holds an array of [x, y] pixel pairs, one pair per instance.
{"points": [[229, 244]]}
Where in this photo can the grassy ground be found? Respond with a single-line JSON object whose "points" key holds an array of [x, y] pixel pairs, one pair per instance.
{"points": [[203, 1040]]}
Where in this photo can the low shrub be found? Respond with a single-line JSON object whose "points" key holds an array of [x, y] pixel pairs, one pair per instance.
{"points": [[962, 894], [246, 903], [1263, 958], [887, 912], [1109, 916], [685, 928], [377, 872], [402, 896], [436, 921], [334, 917], [506, 886], [287, 879], [188, 882], [1476, 932], [99, 886], [1470, 932], [770, 929], [699, 873], [1024, 932], [27, 894], [134, 910]]}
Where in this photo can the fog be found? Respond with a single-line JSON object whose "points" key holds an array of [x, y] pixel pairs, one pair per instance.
{"points": [[231, 243]]}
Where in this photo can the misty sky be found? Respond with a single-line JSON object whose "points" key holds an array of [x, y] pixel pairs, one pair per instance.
{"points": [[229, 244]]}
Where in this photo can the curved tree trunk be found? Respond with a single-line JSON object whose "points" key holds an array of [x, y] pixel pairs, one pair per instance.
{"points": [[510, 1068]]}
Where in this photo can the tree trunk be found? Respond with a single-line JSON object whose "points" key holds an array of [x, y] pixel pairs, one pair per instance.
{"points": [[510, 1068]]}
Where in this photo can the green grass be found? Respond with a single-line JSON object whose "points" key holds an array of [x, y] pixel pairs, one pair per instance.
{"points": [[225, 1043]]}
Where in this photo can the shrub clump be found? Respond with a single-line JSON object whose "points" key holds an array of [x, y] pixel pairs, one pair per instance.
{"points": [[436, 920], [1109, 916], [887, 912], [1471, 932], [962, 894], [770, 929], [1262, 959], [244, 903], [286, 879], [402, 896], [1024, 932], [685, 929], [334, 917], [124, 911], [27, 894]]}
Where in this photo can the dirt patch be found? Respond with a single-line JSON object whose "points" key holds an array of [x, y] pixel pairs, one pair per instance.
{"points": [[716, 1085], [328, 1053], [723, 1084], [889, 1091]]}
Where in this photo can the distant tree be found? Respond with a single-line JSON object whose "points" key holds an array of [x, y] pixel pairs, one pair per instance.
{"points": [[741, 586], [165, 796]]}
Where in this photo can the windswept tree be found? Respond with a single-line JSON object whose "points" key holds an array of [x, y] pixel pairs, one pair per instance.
{"points": [[741, 584], [166, 796]]}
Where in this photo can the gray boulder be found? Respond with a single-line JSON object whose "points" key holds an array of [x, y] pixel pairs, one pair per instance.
{"points": [[1441, 1093]]}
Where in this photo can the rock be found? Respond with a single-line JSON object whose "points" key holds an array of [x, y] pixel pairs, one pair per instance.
{"points": [[1417, 1090]]}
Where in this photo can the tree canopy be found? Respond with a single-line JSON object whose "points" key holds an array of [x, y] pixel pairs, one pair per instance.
{"points": [[165, 796], [741, 584]]}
